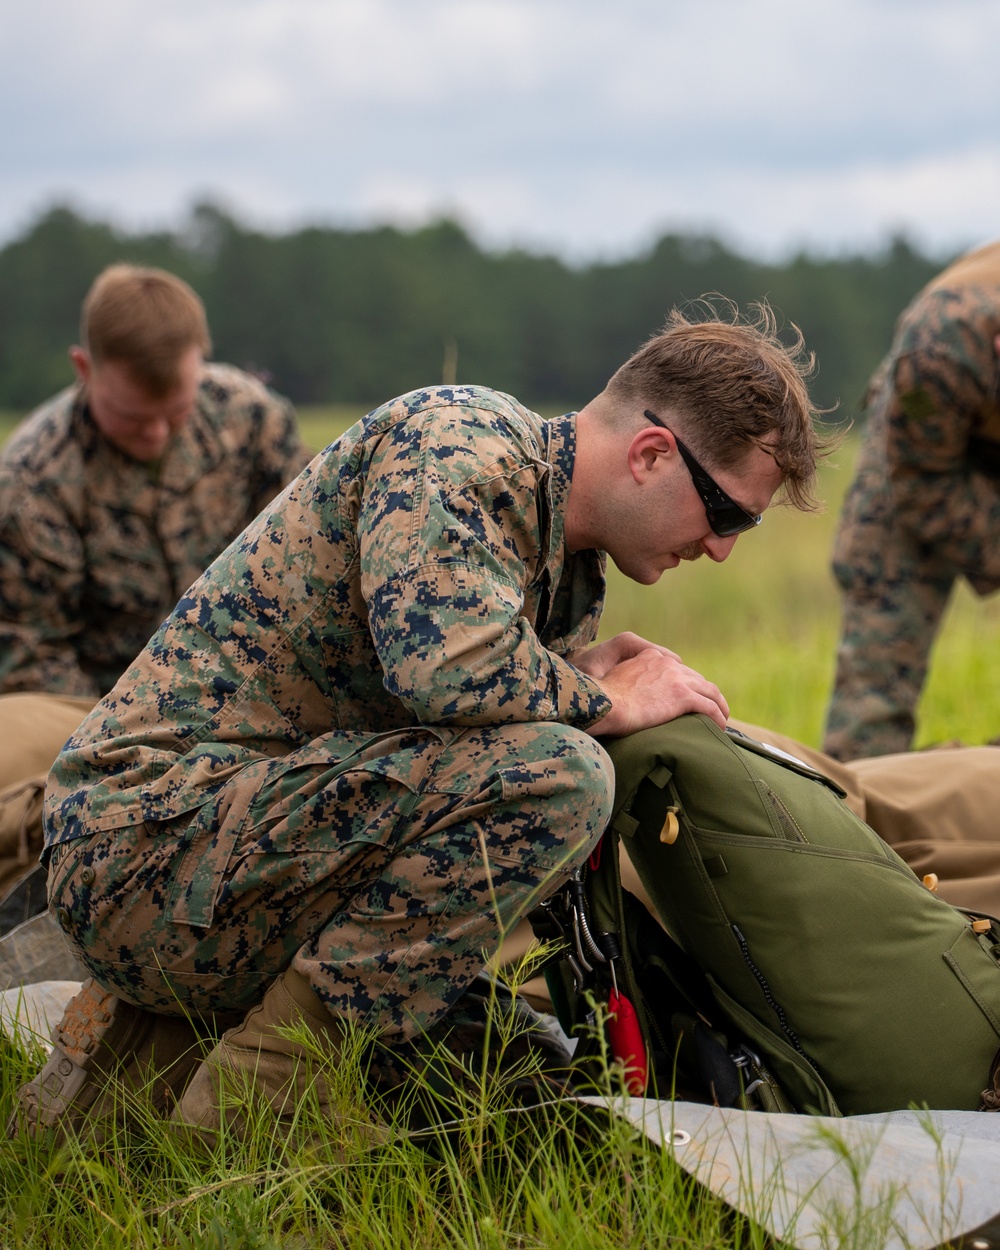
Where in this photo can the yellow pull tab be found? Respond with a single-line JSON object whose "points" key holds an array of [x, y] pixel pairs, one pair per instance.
{"points": [[671, 827], [931, 882], [981, 926]]}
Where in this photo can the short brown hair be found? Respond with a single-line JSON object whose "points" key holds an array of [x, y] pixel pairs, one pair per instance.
{"points": [[730, 383], [145, 319]]}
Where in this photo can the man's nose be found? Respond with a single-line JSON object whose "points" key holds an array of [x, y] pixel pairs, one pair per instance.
{"points": [[717, 548]]}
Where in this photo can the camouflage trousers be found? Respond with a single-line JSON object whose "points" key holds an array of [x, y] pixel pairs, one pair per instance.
{"points": [[384, 868], [895, 590]]}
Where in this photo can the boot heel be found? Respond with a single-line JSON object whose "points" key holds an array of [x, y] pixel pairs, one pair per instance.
{"points": [[103, 1039]]}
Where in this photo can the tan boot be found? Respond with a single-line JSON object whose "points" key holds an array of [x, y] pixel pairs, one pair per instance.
{"points": [[257, 1064], [105, 1052]]}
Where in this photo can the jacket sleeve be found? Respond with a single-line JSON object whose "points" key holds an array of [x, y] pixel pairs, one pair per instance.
{"points": [[944, 376], [41, 580], [444, 570]]}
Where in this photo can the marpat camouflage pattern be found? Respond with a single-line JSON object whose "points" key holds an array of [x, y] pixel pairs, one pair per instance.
{"points": [[356, 745], [924, 507], [96, 548]]}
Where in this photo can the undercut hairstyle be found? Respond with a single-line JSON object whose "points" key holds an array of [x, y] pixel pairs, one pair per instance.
{"points": [[146, 320], [730, 385]]}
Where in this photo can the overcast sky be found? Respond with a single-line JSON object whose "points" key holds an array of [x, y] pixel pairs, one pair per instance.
{"points": [[583, 126]]}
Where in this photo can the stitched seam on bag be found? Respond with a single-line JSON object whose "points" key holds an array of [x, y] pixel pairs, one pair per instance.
{"points": [[781, 845], [954, 965], [785, 818]]}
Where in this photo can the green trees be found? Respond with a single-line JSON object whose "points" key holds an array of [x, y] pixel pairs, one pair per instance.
{"points": [[44, 276], [358, 316]]}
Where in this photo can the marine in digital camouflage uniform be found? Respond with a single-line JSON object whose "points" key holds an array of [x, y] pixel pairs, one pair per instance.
{"points": [[924, 507], [363, 744], [323, 721], [96, 547]]}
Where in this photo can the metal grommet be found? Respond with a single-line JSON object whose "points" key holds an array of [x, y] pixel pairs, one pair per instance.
{"points": [[62, 915], [87, 875], [678, 1137]]}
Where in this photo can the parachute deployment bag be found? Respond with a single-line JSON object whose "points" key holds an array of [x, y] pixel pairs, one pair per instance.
{"points": [[798, 946]]}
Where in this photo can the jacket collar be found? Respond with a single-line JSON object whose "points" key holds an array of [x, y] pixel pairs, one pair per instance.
{"points": [[577, 581]]}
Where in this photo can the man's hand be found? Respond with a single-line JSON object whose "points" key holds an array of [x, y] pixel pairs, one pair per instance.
{"points": [[597, 661], [648, 685]]}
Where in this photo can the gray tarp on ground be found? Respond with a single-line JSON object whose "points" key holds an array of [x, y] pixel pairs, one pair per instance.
{"points": [[903, 1181], [31, 1012]]}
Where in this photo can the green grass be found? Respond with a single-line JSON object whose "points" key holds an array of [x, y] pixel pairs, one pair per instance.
{"points": [[360, 1173], [321, 425], [8, 420], [498, 1178]]}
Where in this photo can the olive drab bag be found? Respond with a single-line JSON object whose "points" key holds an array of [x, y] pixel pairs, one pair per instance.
{"points": [[795, 961]]}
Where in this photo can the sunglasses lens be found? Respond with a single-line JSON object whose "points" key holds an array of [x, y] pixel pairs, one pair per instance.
{"points": [[729, 521]]}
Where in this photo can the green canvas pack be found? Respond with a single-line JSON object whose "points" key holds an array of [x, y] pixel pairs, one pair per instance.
{"points": [[804, 966]]}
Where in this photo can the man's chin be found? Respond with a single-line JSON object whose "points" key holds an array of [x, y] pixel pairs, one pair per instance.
{"points": [[143, 455], [642, 574]]}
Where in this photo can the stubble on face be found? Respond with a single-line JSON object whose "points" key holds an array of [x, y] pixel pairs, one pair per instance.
{"points": [[690, 551]]}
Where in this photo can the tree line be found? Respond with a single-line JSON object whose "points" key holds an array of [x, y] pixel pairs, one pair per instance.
{"points": [[357, 316]]}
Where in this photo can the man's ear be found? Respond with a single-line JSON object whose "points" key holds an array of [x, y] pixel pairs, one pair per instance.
{"points": [[650, 450], [82, 366]]}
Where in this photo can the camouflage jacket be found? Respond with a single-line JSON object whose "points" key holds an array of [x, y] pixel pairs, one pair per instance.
{"points": [[95, 548], [935, 409], [414, 574]]}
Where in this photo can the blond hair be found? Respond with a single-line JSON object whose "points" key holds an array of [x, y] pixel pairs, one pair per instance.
{"points": [[731, 384], [145, 319]]}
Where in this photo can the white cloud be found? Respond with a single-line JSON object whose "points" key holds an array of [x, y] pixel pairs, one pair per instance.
{"points": [[572, 123]]}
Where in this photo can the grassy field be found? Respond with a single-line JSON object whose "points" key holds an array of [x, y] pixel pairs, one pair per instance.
{"points": [[496, 1178], [356, 1173]]}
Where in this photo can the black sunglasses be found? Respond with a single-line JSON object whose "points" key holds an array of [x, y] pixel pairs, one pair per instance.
{"points": [[725, 515]]}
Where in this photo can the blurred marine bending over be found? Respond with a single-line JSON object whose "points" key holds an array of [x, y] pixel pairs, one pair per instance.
{"points": [[114, 496]]}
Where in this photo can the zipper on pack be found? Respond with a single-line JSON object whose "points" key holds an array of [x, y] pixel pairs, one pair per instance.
{"points": [[772, 1002]]}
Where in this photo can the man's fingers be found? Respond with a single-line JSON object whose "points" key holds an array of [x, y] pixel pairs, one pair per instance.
{"points": [[715, 696], [714, 709], [700, 685], [653, 688], [629, 644], [706, 700], [601, 658]]}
